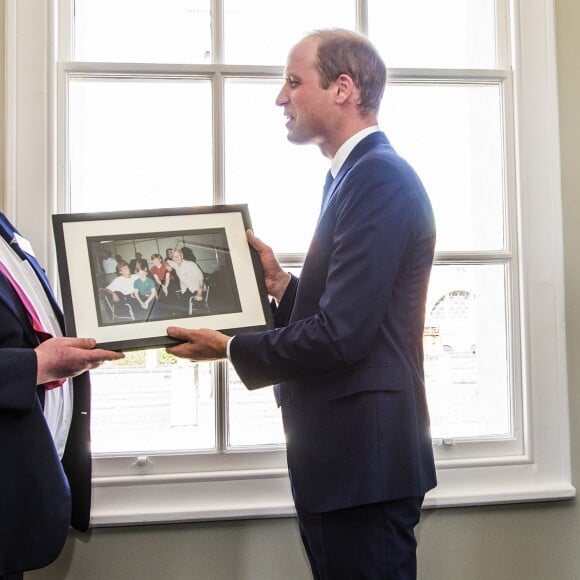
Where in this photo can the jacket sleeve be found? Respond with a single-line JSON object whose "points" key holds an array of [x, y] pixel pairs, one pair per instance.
{"points": [[17, 379]]}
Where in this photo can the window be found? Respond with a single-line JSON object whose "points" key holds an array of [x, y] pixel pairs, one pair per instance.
{"points": [[176, 107]]}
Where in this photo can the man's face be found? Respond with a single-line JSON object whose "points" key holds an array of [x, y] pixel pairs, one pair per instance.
{"points": [[306, 105], [177, 257]]}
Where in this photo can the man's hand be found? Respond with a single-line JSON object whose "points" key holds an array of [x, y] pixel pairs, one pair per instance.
{"points": [[276, 279], [61, 358], [198, 345]]}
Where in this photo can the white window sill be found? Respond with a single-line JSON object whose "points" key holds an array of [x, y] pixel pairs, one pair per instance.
{"points": [[249, 494]]}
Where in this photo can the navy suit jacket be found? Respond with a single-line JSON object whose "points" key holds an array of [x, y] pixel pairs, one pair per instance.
{"points": [[348, 347], [36, 508]]}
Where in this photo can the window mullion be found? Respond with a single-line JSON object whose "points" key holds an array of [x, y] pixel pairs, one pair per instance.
{"points": [[221, 405], [64, 21], [445, 75], [502, 18], [472, 257], [362, 17], [219, 195], [217, 31]]}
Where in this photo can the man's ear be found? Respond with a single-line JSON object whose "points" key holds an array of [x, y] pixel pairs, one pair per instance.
{"points": [[345, 88]]}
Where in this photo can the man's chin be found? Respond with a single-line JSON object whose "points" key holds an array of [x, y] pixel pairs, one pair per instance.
{"points": [[296, 138]]}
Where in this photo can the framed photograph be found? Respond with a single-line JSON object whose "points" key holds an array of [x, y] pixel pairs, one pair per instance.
{"points": [[126, 276]]}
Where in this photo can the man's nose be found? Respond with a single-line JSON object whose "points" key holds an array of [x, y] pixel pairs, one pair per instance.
{"points": [[281, 99]]}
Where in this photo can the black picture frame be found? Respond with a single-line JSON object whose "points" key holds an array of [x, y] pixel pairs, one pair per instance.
{"points": [[212, 243]]}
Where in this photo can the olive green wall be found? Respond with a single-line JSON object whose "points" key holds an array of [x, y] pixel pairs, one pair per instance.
{"points": [[513, 542]]}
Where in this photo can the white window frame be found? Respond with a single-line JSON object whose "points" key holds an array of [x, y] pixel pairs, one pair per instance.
{"points": [[255, 484]]}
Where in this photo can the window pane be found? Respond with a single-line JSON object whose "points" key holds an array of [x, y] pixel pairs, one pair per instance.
{"points": [[254, 418], [258, 32], [466, 355], [452, 136], [175, 31], [442, 34], [151, 401], [139, 144], [281, 182]]}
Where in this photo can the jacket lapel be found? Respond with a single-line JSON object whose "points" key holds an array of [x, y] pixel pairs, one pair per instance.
{"points": [[10, 233], [372, 140], [9, 298]]}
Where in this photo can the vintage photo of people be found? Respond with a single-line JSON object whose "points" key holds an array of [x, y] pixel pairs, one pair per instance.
{"points": [[141, 277]]}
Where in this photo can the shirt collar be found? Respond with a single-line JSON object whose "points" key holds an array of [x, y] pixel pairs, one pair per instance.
{"points": [[345, 149]]}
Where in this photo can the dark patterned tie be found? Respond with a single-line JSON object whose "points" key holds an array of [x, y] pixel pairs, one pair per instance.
{"points": [[325, 191]]}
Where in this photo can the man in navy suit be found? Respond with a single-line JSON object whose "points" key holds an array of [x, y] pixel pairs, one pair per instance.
{"points": [[348, 348], [42, 417]]}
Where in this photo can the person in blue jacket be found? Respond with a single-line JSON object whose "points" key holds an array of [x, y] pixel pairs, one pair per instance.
{"points": [[347, 352], [45, 461]]}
